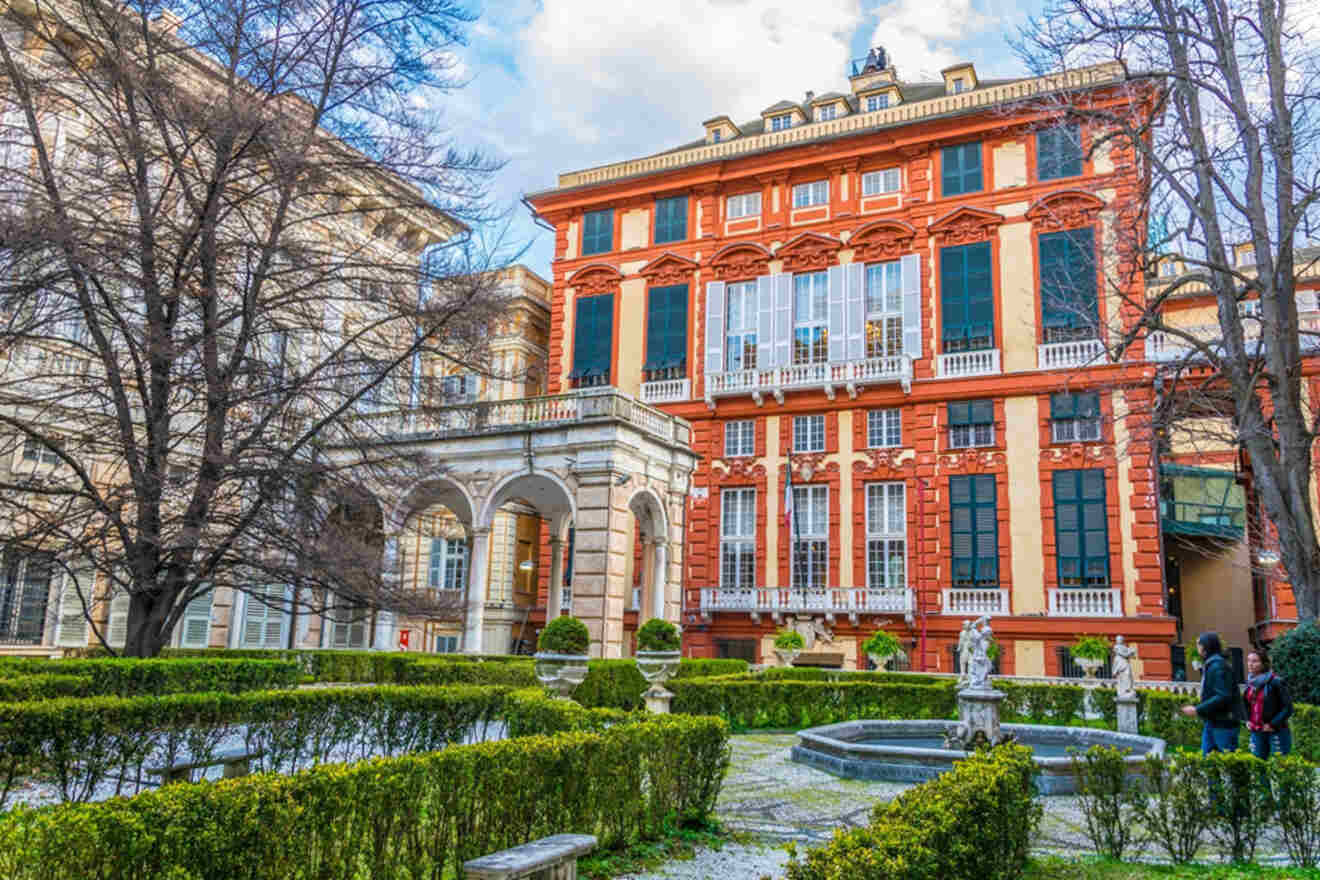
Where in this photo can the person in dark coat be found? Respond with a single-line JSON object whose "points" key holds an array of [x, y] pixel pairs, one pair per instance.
{"points": [[1268, 708], [1220, 709]]}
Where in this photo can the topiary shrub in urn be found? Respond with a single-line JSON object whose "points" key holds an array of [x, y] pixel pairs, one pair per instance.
{"points": [[788, 644], [561, 656], [1090, 653], [882, 647], [657, 659]]}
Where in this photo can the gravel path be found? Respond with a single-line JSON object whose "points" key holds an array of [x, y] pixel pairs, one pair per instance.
{"points": [[732, 862]]}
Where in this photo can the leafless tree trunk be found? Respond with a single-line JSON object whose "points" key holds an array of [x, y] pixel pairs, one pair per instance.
{"points": [[1226, 143], [229, 238]]}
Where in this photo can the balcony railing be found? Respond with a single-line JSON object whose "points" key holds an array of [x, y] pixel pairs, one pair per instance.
{"points": [[1077, 602], [666, 391], [1065, 355], [576, 407], [975, 601], [983, 362], [1165, 346], [833, 600], [827, 376]]}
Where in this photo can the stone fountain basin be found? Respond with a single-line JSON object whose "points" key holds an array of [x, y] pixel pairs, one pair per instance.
{"points": [[911, 751]]}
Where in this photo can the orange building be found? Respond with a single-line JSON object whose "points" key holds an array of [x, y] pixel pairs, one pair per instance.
{"points": [[886, 315]]}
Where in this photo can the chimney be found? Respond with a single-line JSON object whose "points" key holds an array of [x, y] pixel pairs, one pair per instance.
{"points": [[167, 23], [810, 95]]}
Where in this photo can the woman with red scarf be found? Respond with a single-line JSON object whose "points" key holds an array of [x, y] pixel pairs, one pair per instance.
{"points": [[1268, 708]]}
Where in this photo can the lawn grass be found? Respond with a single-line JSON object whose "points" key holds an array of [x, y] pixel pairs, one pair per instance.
{"points": [[1103, 869]]}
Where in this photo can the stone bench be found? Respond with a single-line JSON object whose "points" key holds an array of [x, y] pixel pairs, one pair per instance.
{"points": [[550, 858], [237, 762]]}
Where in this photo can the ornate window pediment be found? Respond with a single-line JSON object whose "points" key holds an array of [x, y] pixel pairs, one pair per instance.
{"points": [[740, 260], [966, 225], [809, 251], [595, 279], [1066, 209], [668, 268], [881, 240]]}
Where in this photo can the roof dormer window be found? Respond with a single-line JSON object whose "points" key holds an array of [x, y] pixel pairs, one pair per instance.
{"points": [[715, 135], [828, 112], [876, 102], [781, 122], [959, 85]]}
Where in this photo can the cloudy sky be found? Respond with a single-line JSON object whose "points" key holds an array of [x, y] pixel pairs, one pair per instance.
{"points": [[560, 85]]}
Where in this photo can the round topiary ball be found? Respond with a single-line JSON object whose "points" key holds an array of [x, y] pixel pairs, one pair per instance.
{"points": [[657, 635], [564, 635], [1295, 656]]}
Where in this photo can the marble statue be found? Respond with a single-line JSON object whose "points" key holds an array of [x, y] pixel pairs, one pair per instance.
{"points": [[1122, 668], [964, 652], [981, 636]]}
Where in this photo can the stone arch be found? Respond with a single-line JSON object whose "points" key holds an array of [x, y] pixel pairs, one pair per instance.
{"points": [[653, 521], [428, 492], [543, 490]]}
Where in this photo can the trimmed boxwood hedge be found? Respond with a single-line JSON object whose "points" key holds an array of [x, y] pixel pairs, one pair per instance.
{"points": [[810, 673], [79, 743], [413, 816], [749, 704], [972, 823], [117, 676], [20, 688], [618, 684]]}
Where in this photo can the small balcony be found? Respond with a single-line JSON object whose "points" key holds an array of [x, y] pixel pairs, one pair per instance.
{"points": [[827, 600], [1086, 602], [1201, 502], [666, 391], [982, 362], [975, 601], [1069, 355], [827, 376]]}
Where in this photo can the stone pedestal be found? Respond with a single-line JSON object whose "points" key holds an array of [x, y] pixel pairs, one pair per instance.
{"points": [[1127, 714], [657, 700], [978, 720]]}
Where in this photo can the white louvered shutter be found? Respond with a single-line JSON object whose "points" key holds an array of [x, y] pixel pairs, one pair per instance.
{"points": [[912, 305], [855, 286], [274, 629], [117, 627], [254, 619], [71, 631], [714, 327], [783, 319], [838, 328], [765, 321], [197, 622]]}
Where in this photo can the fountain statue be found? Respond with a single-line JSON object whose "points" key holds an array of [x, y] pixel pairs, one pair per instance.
{"points": [[1127, 689], [964, 653], [978, 702]]}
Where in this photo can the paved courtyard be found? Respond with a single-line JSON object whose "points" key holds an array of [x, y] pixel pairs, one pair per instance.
{"points": [[770, 797]]}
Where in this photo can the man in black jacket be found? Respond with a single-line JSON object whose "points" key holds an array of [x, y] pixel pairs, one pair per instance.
{"points": [[1221, 706]]}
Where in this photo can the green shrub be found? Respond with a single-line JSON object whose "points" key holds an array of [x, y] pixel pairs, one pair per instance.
{"points": [[973, 823], [1040, 703], [611, 684], [436, 671], [702, 667], [21, 688], [1090, 648], [1163, 718], [882, 644], [1175, 811], [811, 673], [657, 635], [564, 635], [1295, 656], [1108, 798], [116, 676], [1239, 791], [750, 704], [414, 816], [789, 640], [1297, 807]]}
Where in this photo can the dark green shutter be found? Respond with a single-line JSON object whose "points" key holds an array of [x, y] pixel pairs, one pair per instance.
{"points": [[593, 336], [1067, 279], [972, 412], [1074, 406], [1081, 529], [975, 530], [670, 219], [597, 232], [961, 169], [666, 327], [966, 292], [1059, 152]]}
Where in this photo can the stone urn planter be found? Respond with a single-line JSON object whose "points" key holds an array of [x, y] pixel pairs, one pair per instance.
{"points": [[880, 660], [560, 673], [657, 667], [786, 656], [1089, 666]]}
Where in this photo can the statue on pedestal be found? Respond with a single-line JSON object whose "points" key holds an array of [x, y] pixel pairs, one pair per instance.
{"points": [[981, 636], [964, 653], [1123, 655]]}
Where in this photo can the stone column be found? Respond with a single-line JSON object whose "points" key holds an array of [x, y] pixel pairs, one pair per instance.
{"points": [[659, 579], [647, 578], [555, 599], [476, 610]]}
